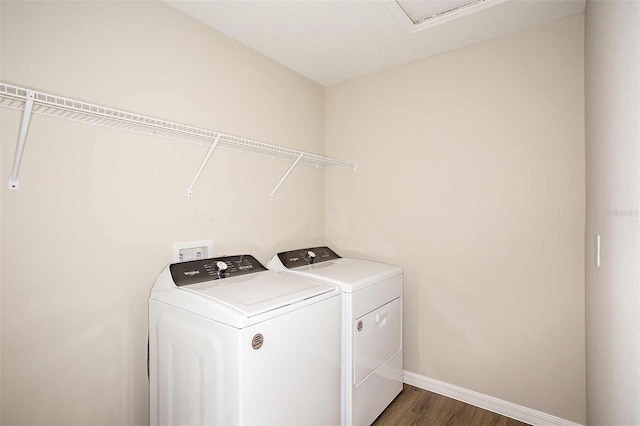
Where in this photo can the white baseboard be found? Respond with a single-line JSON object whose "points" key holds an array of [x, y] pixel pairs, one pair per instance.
{"points": [[505, 408]]}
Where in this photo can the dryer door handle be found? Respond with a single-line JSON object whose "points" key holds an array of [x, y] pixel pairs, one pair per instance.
{"points": [[381, 319]]}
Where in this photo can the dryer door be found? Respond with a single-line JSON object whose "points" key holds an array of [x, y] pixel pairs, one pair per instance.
{"points": [[377, 336]]}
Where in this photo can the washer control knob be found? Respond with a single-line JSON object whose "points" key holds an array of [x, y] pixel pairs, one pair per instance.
{"points": [[221, 265], [310, 256]]}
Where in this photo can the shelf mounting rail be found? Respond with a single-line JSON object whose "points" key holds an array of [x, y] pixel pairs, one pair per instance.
{"points": [[35, 102]]}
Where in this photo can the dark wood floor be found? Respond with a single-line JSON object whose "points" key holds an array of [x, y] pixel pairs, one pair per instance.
{"points": [[415, 406]]}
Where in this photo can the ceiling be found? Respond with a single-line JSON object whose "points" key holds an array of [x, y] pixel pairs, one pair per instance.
{"points": [[333, 41]]}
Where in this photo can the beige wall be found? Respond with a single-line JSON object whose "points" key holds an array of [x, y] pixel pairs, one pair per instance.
{"points": [[98, 210], [612, 46], [471, 177]]}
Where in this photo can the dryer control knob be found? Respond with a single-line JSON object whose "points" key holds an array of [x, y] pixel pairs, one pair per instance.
{"points": [[221, 265]]}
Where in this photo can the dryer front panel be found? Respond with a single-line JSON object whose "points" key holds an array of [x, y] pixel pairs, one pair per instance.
{"points": [[377, 337]]}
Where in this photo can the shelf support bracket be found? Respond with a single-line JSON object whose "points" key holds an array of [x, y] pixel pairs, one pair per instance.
{"points": [[22, 138], [204, 164], [293, 166]]}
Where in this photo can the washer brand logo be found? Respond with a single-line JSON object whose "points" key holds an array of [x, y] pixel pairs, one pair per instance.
{"points": [[293, 259], [257, 341], [191, 273]]}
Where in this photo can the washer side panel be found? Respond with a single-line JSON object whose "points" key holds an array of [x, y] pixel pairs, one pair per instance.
{"points": [[193, 369]]}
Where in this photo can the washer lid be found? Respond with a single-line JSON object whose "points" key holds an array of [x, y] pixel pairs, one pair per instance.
{"points": [[260, 292]]}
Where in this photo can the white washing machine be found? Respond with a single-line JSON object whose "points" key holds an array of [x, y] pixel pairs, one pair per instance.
{"points": [[231, 343], [372, 326]]}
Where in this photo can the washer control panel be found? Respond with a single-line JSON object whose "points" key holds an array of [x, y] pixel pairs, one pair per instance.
{"points": [[303, 257], [197, 271]]}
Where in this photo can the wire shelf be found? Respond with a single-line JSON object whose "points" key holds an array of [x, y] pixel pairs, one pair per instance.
{"points": [[15, 97]]}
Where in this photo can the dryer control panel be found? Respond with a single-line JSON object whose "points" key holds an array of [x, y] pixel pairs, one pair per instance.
{"points": [[197, 271], [303, 257]]}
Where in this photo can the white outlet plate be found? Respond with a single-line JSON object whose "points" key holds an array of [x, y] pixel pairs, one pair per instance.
{"points": [[192, 250]]}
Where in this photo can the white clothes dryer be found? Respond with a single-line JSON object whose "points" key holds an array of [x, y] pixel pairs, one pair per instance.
{"points": [[231, 343], [371, 321]]}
